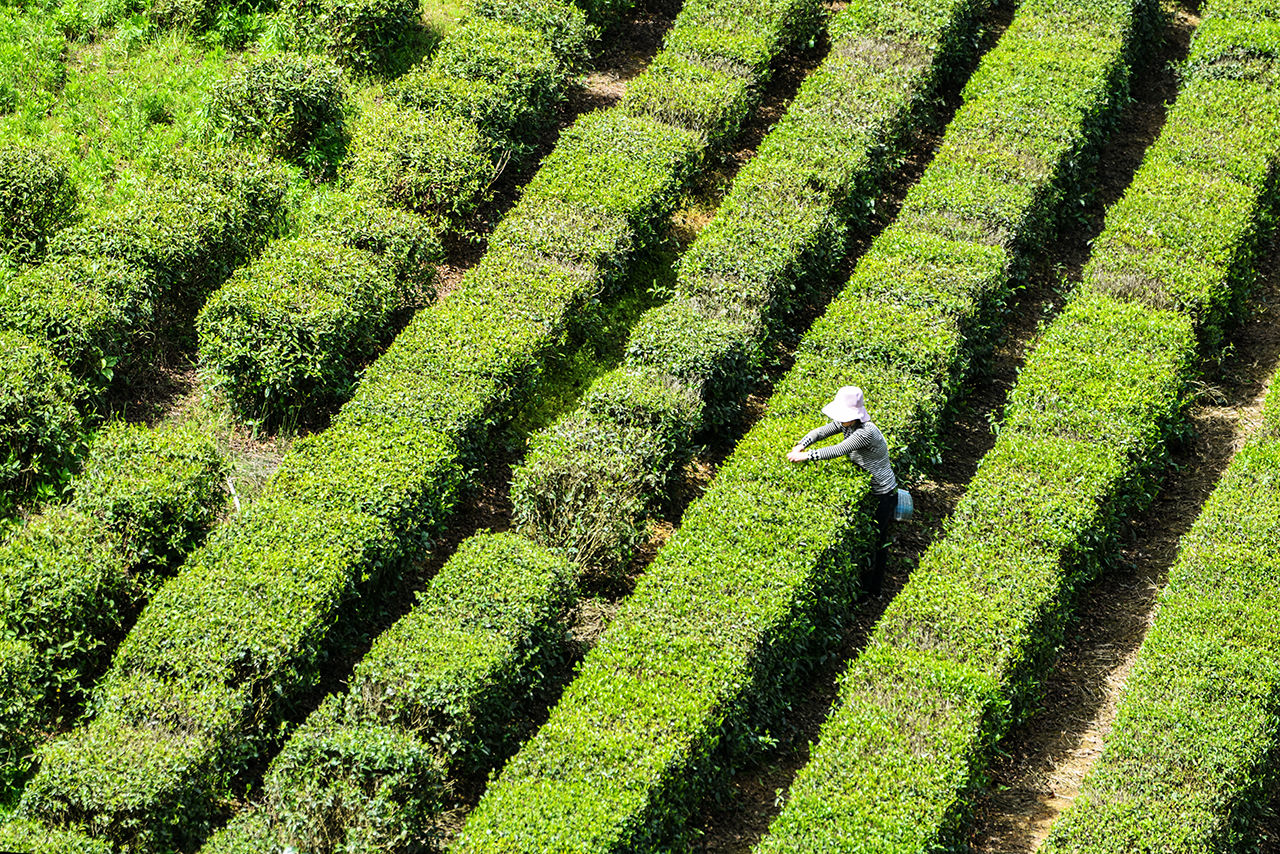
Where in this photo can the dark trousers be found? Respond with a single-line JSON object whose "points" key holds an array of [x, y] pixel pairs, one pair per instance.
{"points": [[885, 507]]}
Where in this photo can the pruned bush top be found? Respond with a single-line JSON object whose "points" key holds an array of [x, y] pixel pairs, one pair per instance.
{"points": [[39, 426], [288, 332], [293, 103], [187, 234], [363, 35], [88, 310], [36, 198], [422, 162]]}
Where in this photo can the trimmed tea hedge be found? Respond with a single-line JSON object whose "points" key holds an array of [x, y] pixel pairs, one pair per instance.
{"points": [[439, 693], [89, 310], [293, 103], [363, 35], [591, 479], [1189, 764], [36, 838], [160, 489], [706, 649], [429, 163], [434, 148], [71, 577], [288, 333], [40, 429], [37, 198], [19, 720], [240, 631], [960, 651], [408, 242], [504, 80], [184, 234]]}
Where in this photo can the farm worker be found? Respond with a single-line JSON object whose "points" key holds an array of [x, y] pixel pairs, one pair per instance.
{"points": [[864, 445]]}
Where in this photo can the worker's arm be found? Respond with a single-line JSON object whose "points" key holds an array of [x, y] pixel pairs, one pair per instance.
{"points": [[856, 441], [829, 429]]}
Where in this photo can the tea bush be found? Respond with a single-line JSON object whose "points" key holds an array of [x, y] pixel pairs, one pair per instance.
{"points": [[775, 240], [37, 197], [423, 162], [1187, 766], [435, 694], [40, 429], [410, 243], [503, 79], [288, 333], [73, 576], [239, 632], [363, 35], [293, 103], [18, 721], [90, 311], [185, 235]]}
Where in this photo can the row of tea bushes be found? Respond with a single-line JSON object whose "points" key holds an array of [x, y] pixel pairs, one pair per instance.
{"points": [[289, 335], [713, 640], [1189, 763], [112, 281], [242, 630], [71, 578], [439, 694], [591, 479], [962, 648]]}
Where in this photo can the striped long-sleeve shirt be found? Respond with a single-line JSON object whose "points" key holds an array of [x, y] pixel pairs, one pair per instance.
{"points": [[863, 444]]}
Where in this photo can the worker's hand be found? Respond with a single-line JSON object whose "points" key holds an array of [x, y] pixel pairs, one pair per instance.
{"points": [[797, 456]]}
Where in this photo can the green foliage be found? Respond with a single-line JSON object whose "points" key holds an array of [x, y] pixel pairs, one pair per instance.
{"points": [[67, 590], [363, 35], [226, 644], [409, 242], [423, 162], [32, 67], [776, 237], [185, 235], [287, 334], [37, 198], [40, 429], [339, 786], [959, 653], [702, 657], [503, 79], [71, 577], [436, 693], [88, 310], [160, 489], [32, 836], [197, 681], [187, 678], [588, 479], [293, 103], [564, 25], [18, 719], [713, 61]]}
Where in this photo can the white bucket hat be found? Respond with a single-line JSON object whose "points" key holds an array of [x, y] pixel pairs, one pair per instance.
{"points": [[847, 406]]}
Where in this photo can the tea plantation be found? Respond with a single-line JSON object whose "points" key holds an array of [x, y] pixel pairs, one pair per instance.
{"points": [[395, 397]]}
